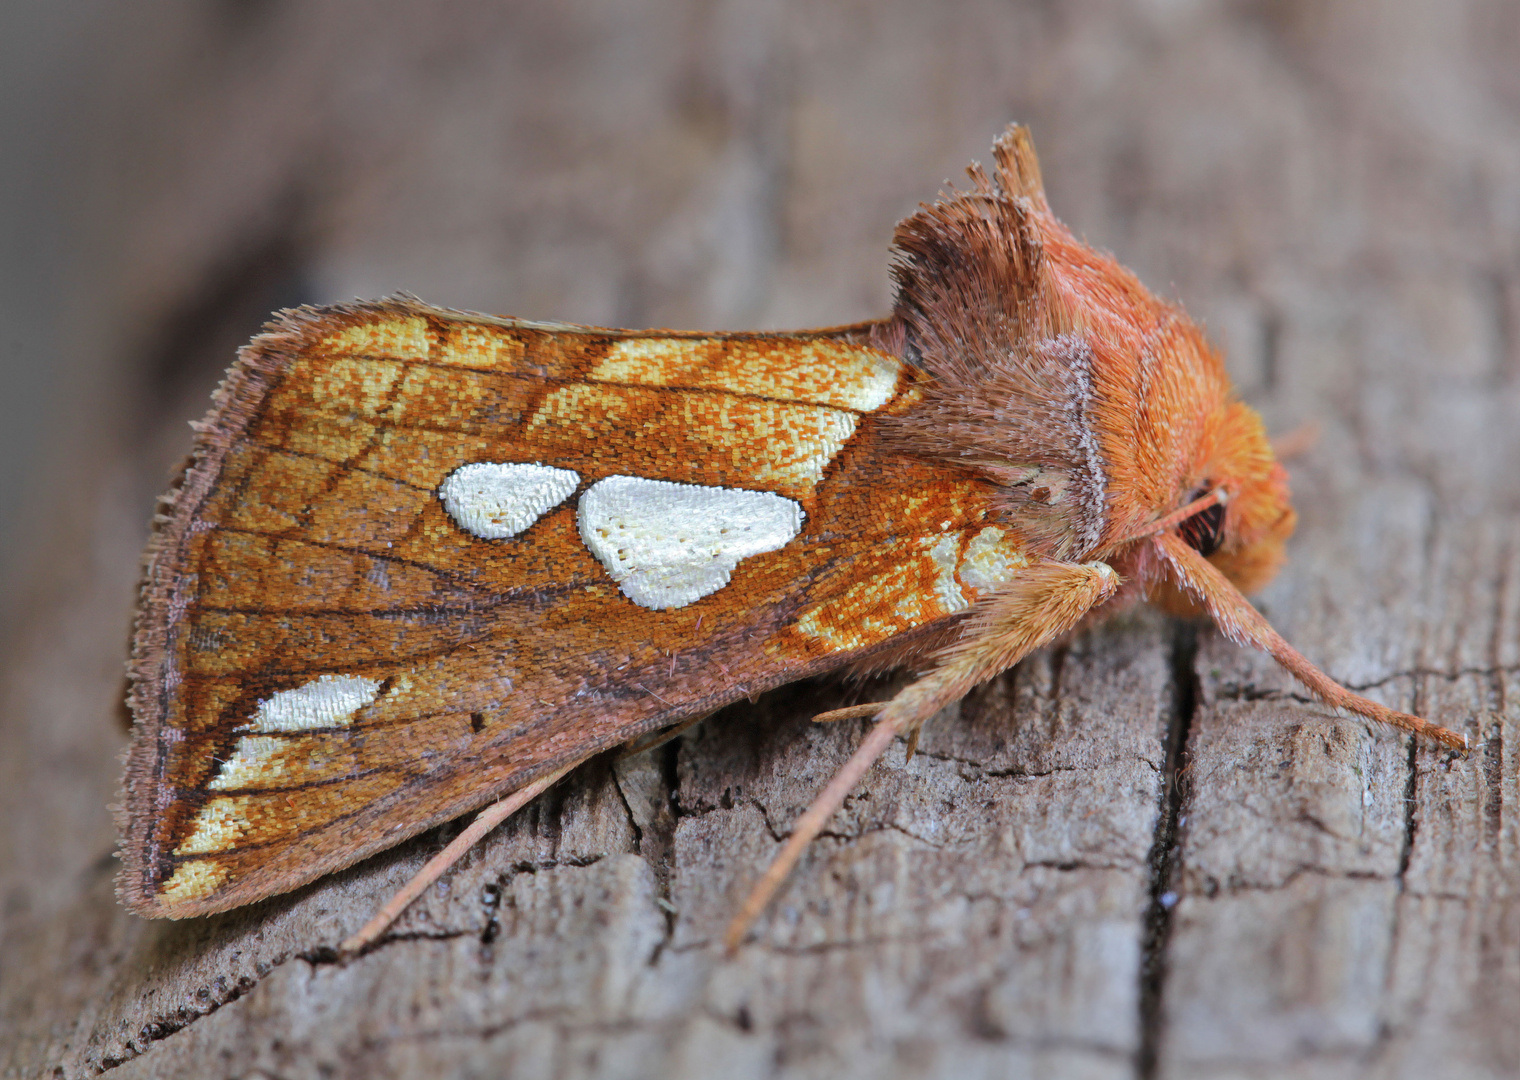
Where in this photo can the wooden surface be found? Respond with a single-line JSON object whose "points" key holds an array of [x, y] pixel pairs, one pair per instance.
{"points": [[1141, 855]]}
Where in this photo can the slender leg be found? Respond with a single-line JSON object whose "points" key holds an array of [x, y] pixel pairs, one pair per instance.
{"points": [[661, 737], [1244, 625], [439, 864], [808, 826], [850, 712], [1042, 603]]}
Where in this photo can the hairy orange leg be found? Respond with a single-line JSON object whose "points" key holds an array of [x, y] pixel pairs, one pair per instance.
{"points": [[1044, 602], [1244, 625], [850, 712]]}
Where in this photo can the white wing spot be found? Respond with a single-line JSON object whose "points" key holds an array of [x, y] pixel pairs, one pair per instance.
{"points": [[250, 764], [668, 544], [193, 880], [262, 761], [325, 702], [944, 551], [219, 826], [494, 501], [990, 561]]}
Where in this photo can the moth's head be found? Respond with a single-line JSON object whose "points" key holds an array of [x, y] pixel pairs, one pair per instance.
{"points": [[1095, 408], [1183, 452], [1170, 430], [1245, 531], [1257, 518]]}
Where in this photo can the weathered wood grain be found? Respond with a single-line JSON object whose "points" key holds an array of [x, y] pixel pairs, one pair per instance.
{"points": [[1142, 854]]}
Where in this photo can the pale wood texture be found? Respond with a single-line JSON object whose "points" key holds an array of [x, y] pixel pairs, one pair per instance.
{"points": [[1139, 855]]}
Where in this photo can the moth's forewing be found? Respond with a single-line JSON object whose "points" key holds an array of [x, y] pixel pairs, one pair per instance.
{"points": [[327, 661]]}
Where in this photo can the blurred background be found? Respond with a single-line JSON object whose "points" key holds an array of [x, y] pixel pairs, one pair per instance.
{"points": [[173, 171], [1332, 186]]}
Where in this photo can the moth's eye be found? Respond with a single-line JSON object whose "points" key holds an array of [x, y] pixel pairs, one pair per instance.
{"points": [[1204, 531]]}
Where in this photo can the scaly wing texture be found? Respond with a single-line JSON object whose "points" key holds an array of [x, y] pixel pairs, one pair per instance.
{"points": [[327, 662]]}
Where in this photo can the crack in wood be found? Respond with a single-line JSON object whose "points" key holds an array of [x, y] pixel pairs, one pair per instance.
{"points": [[1164, 855]]}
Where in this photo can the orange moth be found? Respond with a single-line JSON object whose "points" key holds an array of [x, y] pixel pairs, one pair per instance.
{"points": [[424, 562]]}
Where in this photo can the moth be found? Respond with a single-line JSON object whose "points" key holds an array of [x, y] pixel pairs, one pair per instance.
{"points": [[424, 561]]}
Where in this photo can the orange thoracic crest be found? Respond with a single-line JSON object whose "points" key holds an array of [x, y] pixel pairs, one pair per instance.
{"points": [[1095, 407], [422, 559]]}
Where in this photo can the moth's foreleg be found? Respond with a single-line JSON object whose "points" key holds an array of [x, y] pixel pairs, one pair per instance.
{"points": [[1044, 602], [863, 711], [1244, 625]]}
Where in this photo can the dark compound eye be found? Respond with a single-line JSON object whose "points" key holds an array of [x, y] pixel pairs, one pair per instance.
{"points": [[1204, 530]]}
